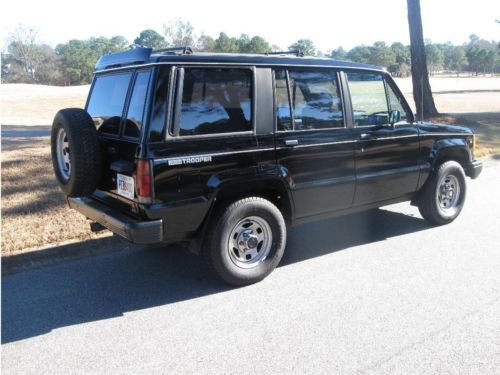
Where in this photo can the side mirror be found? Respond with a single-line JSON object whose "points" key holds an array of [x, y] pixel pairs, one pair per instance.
{"points": [[394, 116]]}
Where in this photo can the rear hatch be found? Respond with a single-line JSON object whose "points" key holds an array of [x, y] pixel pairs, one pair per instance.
{"points": [[117, 104]]}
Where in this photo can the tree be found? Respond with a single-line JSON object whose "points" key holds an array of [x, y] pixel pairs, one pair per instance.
{"points": [[359, 54], [381, 54], [422, 93], [256, 44], [205, 43], [435, 57], [482, 55], [455, 58], [80, 56], [401, 67], [150, 38], [23, 47], [179, 34], [28, 60], [306, 46], [224, 43], [338, 54]]}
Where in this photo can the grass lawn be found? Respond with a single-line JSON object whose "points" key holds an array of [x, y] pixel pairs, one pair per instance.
{"points": [[34, 210]]}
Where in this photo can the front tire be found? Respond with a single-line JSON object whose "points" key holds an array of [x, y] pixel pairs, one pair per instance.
{"points": [[245, 241], [443, 195]]}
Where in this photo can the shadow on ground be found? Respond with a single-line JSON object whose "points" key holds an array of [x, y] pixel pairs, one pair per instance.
{"points": [[107, 286]]}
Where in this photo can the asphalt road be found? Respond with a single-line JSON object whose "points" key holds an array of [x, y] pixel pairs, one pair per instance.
{"points": [[18, 131], [367, 293]]}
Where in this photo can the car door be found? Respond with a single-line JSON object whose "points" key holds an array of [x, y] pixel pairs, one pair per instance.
{"points": [[314, 148], [386, 154], [211, 137]]}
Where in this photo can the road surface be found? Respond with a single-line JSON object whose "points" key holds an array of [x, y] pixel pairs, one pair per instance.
{"points": [[367, 293]]}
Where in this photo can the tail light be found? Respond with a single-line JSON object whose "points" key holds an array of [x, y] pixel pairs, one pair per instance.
{"points": [[144, 179]]}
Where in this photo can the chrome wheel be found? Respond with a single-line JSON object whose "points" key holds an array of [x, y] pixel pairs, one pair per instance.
{"points": [[250, 242], [63, 158], [448, 194]]}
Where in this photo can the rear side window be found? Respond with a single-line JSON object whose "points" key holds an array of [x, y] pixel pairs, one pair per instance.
{"points": [[215, 101], [107, 101], [135, 113], [315, 100], [368, 97]]}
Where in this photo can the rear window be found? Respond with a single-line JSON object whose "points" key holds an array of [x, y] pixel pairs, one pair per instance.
{"points": [[215, 101], [107, 101], [135, 113]]}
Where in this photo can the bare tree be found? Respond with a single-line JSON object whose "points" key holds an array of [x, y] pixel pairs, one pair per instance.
{"points": [[179, 34], [422, 93], [24, 48]]}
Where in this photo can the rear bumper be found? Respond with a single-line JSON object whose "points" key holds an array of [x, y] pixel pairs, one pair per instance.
{"points": [[136, 231], [474, 169]]}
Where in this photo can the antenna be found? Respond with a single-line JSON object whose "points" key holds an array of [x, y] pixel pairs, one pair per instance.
{"points": [[421, 99]]}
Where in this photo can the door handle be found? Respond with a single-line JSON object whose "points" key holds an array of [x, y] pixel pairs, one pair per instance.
{"points": [[364, 135], [291, 142]]}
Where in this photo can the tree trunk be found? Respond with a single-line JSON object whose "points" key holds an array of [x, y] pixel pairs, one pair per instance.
{"points": [[422, 93]]}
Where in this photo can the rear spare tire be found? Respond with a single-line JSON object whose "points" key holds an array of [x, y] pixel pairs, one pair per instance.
{"points": [[76, 154]]}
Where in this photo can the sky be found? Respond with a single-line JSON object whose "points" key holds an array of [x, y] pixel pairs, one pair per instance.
{"points": [[329, 24]]}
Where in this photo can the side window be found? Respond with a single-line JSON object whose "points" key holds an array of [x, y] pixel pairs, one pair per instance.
{"points": [[283, 111], [369, 101], [135, 112], [396, 105], [159, 107], [107, 101], [215, 101], [315, 98]]}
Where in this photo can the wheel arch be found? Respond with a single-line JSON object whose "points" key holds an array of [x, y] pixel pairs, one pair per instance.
{"points": [[450, 149], [272, 189]]}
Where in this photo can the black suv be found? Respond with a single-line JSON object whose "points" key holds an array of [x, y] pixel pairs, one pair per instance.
{"points": [[225, 151]]}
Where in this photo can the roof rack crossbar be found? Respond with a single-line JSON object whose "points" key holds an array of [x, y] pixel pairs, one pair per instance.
{"points": [[295, 52], [186, 50]]}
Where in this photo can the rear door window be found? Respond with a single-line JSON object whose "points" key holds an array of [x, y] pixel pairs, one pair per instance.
{"points": [[135, 113], [215, 101], [315, 100], [107, 101]]}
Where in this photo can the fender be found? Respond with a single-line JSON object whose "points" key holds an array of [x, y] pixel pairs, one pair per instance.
{"points": [[453, 148], [268, 181]]}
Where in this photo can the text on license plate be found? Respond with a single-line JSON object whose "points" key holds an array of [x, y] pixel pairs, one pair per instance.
{"points": [[125, 186]]}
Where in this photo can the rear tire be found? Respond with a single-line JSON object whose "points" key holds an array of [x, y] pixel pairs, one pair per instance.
{"points": [[245, 241], [76, 155], [443, 195]]}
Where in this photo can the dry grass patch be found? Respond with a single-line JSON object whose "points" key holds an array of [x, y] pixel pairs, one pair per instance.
{"points": [[34, 210], [486, 125], [24, 104]]}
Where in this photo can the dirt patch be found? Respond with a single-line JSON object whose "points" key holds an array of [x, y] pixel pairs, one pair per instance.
{"points": [[34, 210]]}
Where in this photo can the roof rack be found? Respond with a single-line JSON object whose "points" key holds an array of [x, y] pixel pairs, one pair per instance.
{"points": [[186, 50], [295, 52]]}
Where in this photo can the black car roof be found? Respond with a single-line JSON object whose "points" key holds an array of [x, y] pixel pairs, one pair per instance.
{"points": [[145, 56]]}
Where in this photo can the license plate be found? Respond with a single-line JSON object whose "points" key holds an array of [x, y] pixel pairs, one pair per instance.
{"points": [[125, 186]]}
